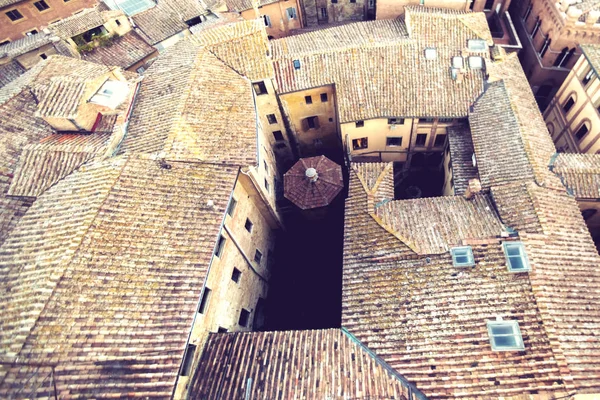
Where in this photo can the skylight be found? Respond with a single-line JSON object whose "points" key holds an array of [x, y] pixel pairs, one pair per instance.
{"points": [[475, 62], [462, 256], [111, 94], [296, 64], [505, 335], [516, 258], [458, 62], [130, 7], [430, 53], [476, 45]]}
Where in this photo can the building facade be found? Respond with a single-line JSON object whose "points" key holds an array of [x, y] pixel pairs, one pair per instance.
{"points": [[573, 116], [280, 17], [20, 18]]}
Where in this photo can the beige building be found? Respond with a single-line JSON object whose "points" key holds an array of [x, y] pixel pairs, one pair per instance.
{"points": [[550, 33], [573, 116], [20, 18], [280, 17], [388, 111]]}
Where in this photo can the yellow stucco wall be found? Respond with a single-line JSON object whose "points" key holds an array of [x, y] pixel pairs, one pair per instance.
{"points": [[377, 131], [281, 24]]}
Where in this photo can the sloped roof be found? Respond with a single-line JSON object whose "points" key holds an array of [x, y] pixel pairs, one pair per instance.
{"points": [[181, 106], [124, 51], [60, 98], [166, 19], [25, 44], [306, 364], [243, 46], [43, 164], [9, 72], [306, 193], [580, 173], [392, 78], [242, 5], [461, 157], [81, 22], [104, 272]]}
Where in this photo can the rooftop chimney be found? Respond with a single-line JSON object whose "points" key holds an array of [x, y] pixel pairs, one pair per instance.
{"points": [[473, 188], [312, 175]]}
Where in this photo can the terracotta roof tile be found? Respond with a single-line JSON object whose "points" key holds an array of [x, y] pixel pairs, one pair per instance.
{"points": [[61, 98], [9, 72], [242, 5], [124, 51], [94, 233], [304, 192], [580, 173], [315, 364], [25, 44], [81, 22]]}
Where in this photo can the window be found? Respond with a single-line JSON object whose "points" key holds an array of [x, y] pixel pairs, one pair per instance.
{"points": [[43, 56], [426, 120], [204, 301], [257, 256], [528, 11], [323, 97], [310, 123], [569, 104], [14, 15], [582, 131], [220, 246], [358, 144], [516, 258], [267, 186], [359, 124], [271, 118], [477, 45], [291, 13], [222, 330], [118, 22], [188, 359], [235, 275], [244, 317], [308, 99], [475, 62], [267, 20], [421, 139], [445, 120], [266, 167], [296, 64], [231, 208], [323, 13], [588, 77], [111, 94], [32, 32], [505, 335], [394, 141], [440, 139], [396, 121], [545, 46], [458, 62], [430, 53], [536, 27], [248, 225], [259, 88], [278, 136], [462, 256], [41, 5]]}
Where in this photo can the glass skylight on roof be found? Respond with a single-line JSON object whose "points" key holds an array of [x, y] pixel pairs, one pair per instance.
{"points": [[516, 258], [111, 94], [430, 53], [505, 335], [458, 62], [462, 256], [476, 45], [130, 7], [475, 62]]}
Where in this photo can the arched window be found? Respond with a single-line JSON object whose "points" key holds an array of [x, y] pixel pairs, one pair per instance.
{"points": [[570, 103], [583, 130], [550, 127]]}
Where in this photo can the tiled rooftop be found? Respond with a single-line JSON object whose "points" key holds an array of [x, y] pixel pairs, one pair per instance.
{"points": [[124, 51], [580, 173], [461, 157], [25, 44], [9, 72], [88, 19], [242, 5]]}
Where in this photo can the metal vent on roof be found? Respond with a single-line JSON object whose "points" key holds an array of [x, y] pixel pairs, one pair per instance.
{"points": [[296, 64], [476, 45], [430, 53], [475, 62]]}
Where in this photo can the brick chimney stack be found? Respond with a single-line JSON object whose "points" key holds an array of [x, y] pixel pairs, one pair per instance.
{"points": [[473, 188]]}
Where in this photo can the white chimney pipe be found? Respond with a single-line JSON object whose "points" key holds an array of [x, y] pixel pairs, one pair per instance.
{"points": [[312, 175]]}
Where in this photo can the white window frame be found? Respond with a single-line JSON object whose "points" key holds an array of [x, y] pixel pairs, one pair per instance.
{"points": [[267, 20], [469, 254], [522, 253], [287, 11], [516, 333]]}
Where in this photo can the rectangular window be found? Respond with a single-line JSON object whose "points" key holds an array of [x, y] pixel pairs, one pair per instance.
{"points": [[323, 13], [516, 258], [311, 123], [358, 144], [267, 186], [244, 317], [462, 256], [222, 330], [43, 56], [291, 13], [204, 301], [440, 140], [426, 120], [257, 256], [259, 88], [505, 335], [231, 208], [445, 120], [421, 139], [569, 104], [581, 132], [272, 119], [188, 360], [308, 99], [296, 64], [220, 246], [267, 20], [323, 97], [41, 5], [32, 32], [395, 121], [235, 275], [359, 124], [393, 141], [14, 15], [248, 225], [588, 77], [266, 166], [278, 135]]}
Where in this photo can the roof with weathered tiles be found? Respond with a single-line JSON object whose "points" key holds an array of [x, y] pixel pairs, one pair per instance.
{"points": [[392, 78], [81, 22], [592, 54], [9, 72], [307, 193], [166, 19], [85, 242], [308, 364], [243, 46], [124, 51], [25, 44], [181, 107], [580, 173], [60, 98], [461, 157], [242, 5]]}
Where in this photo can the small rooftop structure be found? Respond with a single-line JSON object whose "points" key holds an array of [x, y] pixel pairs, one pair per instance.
{"points": [[313, 182]]}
